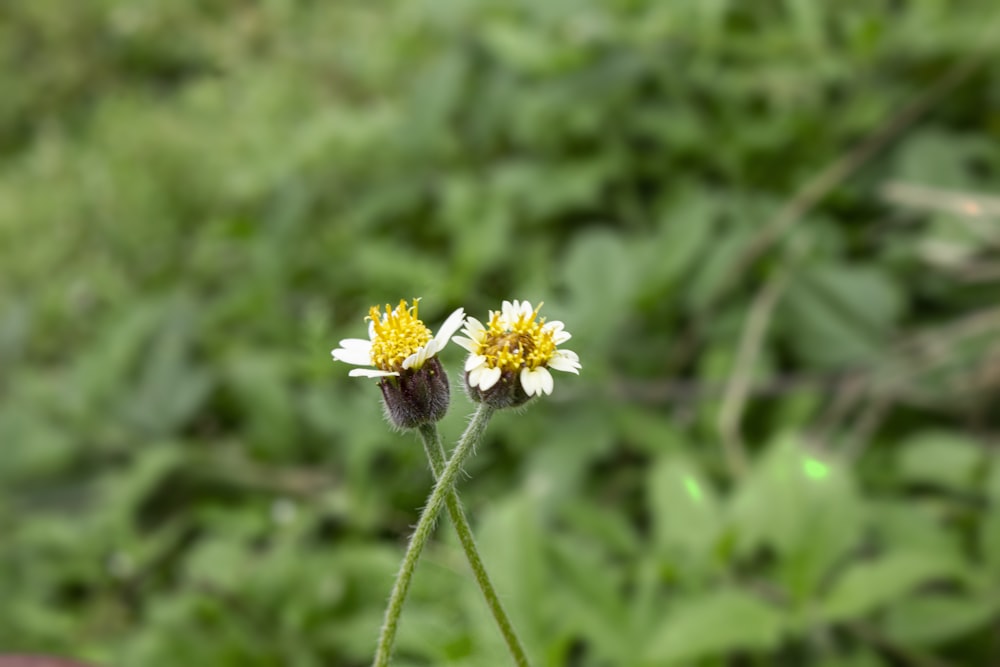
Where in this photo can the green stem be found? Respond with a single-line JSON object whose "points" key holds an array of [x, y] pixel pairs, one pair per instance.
{"points": [[436, 456], [425, 525]]}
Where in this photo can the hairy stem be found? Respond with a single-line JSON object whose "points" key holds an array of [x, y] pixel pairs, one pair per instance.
{"points": [[425, 525], [436, 456]]}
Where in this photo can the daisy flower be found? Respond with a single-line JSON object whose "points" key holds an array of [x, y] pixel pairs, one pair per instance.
{"points": [[510, 357], [401, 353], [397, 341]]}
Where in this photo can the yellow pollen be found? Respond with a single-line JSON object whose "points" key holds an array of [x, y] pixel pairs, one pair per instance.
{"points": [[514, 345], [397, 334]]}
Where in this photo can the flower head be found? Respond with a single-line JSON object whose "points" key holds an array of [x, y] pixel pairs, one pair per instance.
{"points": [[401, 352], [511, 355], [398, 341]]}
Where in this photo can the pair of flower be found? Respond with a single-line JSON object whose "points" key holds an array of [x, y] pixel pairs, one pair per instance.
{"points": [[509, 358]]}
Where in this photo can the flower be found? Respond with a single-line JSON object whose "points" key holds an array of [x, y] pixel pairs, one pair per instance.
{"points": [[514, 345], [398, 341], [402, 353]]}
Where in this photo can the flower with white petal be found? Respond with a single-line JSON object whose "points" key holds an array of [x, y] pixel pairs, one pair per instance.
{"points": [[397, 340], [401, 352], [510, 357]]}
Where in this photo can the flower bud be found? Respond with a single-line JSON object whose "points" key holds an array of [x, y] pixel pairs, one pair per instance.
{"points": [[506, 393], [416, 397]]}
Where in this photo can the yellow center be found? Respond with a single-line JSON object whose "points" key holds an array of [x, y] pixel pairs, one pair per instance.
{"points": [[398, 334], [512, 346]]}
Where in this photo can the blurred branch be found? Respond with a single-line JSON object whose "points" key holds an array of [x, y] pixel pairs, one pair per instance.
{"points": [[845, 396], [916, 356], [978, 272], [824, 182], [737, 389], [898, 378], [301, 482], [970, 207], [752, 338], [859, 435]]}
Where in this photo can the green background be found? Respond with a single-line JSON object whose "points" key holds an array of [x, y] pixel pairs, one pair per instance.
{"points": [[782, 448]]}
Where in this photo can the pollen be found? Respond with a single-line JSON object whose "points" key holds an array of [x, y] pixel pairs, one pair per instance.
{"points": [[396, 334]]}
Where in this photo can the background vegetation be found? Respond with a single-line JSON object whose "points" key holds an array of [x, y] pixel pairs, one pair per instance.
{"points": [[771, 226]]}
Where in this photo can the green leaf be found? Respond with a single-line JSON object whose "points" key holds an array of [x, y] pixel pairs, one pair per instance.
{"points": [[602, 523], [686, 516], [221, 563], [260, 384], [929, 620], [836, 314], [859, 658], [868, 586], [684, 236], [942, 158], [808, 21], [170, 387], [715, 624], [589, 595], [989, 529], [511, 541], [599, 273], [941, 458], [710, 276], [803, 507], [913, 525]]}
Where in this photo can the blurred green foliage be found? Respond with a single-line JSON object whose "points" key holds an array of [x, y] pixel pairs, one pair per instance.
{"points": [[199, 199]]}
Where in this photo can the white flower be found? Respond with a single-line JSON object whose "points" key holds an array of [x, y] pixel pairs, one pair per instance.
{"points": [[397, 341], [516, 342]]}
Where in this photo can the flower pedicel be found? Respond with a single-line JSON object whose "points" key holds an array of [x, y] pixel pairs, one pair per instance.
{"points": [[509, 363]]}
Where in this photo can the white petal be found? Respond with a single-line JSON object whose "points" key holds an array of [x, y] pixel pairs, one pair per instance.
{"points": [[412, 359], [488, 378], [474, 329], [370, 373], [558, 331], [569, 354], [513, 311], [474, 375], [449, 328], [565, 360], [528, 381], [356, 344], [422, 355], [417, 359], [357, 357], [371, 329], [467, 343], [546, 379], [537, 381], [540, 380], [474, 361], [508, 311]]}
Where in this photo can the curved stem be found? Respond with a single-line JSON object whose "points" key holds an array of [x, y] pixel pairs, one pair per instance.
{"points": [[436, 456], [425, 525]]}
